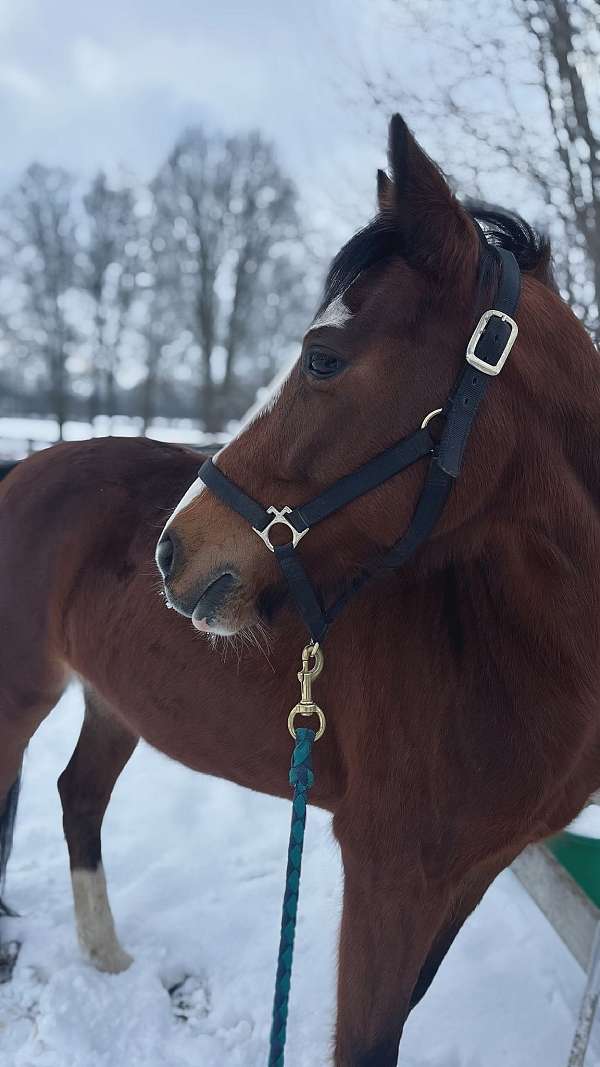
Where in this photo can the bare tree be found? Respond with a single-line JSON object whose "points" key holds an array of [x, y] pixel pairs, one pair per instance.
{"points": [[181, 298], [508, 92], [233, 216], [38, 253], [162, 318], [110, 277]]}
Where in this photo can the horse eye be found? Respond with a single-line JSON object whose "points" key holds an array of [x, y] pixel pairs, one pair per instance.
{"points": [[321, 364]]}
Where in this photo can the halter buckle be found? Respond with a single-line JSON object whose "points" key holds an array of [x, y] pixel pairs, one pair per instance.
{"points": [[279, 518], [482, 364]]}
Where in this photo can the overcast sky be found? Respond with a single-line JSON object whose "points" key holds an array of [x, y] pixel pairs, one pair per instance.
{"points": [[112, 83], [89, 85]]}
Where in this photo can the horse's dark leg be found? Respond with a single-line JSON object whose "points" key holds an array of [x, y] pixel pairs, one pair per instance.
{"points": [[466, 898], [8, 812], [391, 915], [9, 950], [30, 686], [85, 787], [458, 915], [434, 960], [23, 706]]}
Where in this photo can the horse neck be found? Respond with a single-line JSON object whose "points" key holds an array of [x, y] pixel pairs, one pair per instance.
{"points": [[512, 627]]}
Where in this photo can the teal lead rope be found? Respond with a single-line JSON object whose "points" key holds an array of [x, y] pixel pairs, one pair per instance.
{"points": [[302, 778]]}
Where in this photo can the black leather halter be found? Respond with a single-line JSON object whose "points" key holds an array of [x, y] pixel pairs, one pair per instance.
{"points": [[486, 354]]}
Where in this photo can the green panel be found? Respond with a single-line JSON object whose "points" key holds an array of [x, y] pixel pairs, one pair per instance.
{"points": [[580, 856]]}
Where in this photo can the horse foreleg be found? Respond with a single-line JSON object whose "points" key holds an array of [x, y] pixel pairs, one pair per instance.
{"points": [[391, 915], [85, 787], [9, 950], [22, 707]]}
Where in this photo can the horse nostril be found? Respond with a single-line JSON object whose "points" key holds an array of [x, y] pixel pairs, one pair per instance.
{"points": [[165, 555]]}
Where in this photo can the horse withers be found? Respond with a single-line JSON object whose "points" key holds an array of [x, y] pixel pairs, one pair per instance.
{"points": [[460, 691]]}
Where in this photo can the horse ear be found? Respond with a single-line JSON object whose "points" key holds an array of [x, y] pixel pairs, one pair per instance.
{"points": [[437, 234], [385, 192]]}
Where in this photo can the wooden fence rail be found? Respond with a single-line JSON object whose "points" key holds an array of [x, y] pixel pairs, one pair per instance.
{"points": [[576, 920]]}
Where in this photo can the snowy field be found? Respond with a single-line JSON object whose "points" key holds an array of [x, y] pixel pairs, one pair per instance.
{"points": [[196, 901], [19, 436]]}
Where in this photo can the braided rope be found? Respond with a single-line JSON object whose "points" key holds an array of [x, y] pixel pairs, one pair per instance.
{"points": [[302, 778]]}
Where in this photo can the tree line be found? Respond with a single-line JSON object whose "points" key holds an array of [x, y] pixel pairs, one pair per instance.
{"points": [[182, 295], [178, 297]]}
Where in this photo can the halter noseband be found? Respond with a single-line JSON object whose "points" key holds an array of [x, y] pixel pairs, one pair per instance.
{"points": [[487, 352]]}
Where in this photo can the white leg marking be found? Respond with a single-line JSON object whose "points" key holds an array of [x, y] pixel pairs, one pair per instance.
{"points": [[95, 924]]}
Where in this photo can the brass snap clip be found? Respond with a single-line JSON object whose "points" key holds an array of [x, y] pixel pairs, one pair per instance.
{"points": [[306, 675]]}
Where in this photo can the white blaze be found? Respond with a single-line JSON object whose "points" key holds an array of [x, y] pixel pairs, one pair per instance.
{"points": [[335, 314], [194, 490], [265, 404]]}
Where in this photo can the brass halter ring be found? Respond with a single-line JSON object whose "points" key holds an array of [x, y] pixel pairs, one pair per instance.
{"points": [[314, 711]]}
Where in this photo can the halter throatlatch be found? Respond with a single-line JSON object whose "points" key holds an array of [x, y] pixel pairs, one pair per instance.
{"points": [[487, 352]]}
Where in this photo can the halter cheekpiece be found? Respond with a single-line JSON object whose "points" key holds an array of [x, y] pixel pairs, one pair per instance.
{"points": [[487, 352]]}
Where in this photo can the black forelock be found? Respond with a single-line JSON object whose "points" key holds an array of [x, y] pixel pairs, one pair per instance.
{"points": [[380, 239]]}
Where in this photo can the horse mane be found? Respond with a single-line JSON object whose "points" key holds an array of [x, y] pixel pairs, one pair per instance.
{"points": [[380, 239], [506, 229]]}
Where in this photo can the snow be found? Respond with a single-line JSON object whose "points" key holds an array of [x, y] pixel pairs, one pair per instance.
{"points": [[19, 435], [588, 823], [195, 871]]}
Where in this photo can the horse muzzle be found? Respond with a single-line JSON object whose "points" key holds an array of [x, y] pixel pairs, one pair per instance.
{"points": [[207, 599]]}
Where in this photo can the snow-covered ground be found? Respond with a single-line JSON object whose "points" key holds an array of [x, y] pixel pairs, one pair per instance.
{"points": [[588, 823], [19, 436], [195, 869]]}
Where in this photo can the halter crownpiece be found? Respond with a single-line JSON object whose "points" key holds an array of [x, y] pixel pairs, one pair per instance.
{"points": [[486, 354]]}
